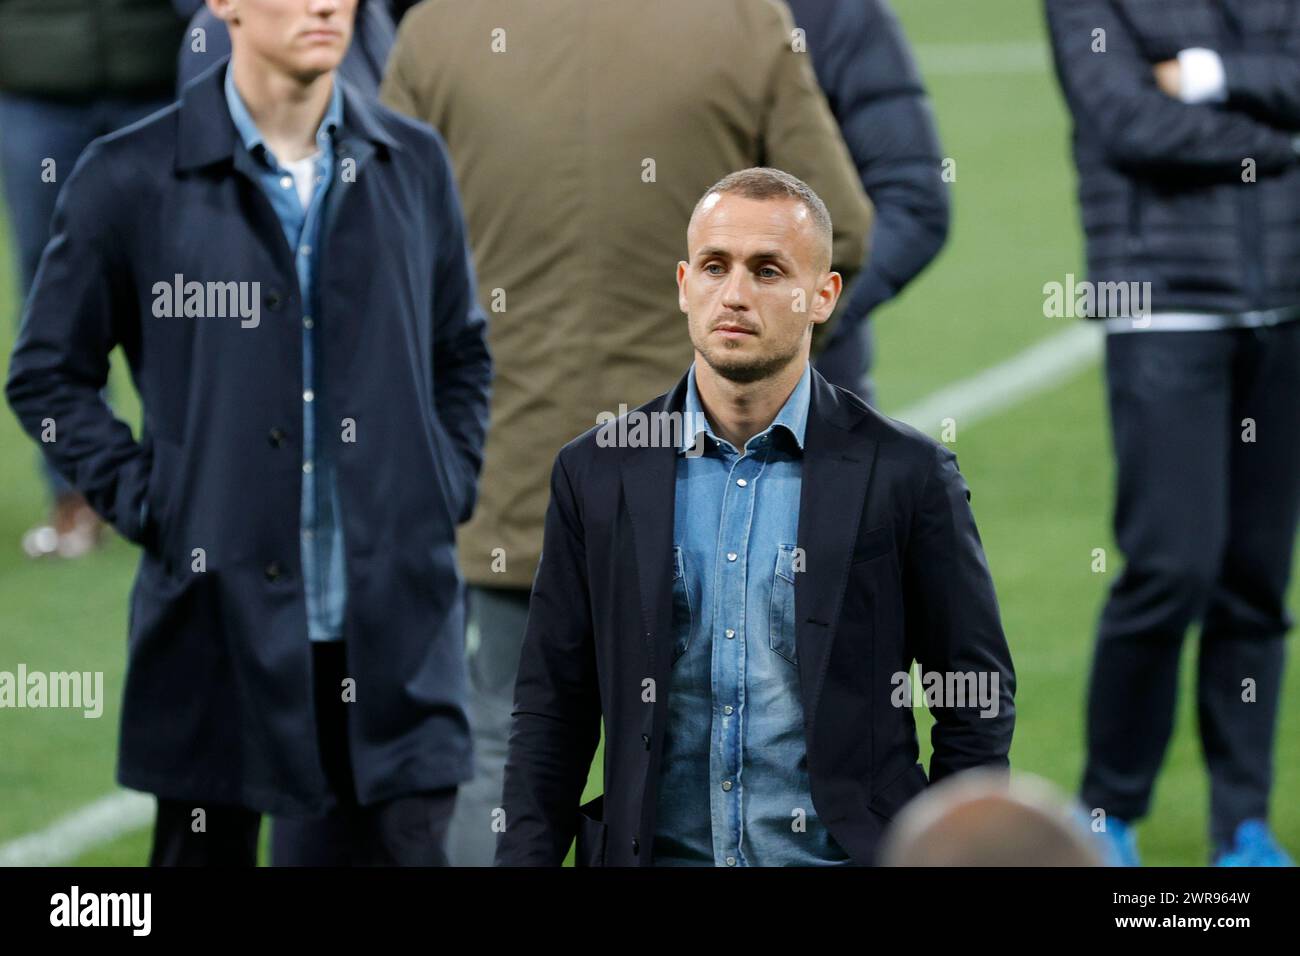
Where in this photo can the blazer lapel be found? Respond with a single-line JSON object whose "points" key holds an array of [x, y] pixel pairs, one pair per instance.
{"points": [[836, 471]]}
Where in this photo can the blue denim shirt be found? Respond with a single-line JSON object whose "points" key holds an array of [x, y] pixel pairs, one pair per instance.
{"points": [[734, 787], [321, 532]]}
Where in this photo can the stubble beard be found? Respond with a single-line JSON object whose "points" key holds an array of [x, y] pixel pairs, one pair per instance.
{"points": [[745, 369]]}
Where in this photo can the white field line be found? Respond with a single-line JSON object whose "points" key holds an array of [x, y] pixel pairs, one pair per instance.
{"points": [[987, 59], [111, 816], [1039, 368]]}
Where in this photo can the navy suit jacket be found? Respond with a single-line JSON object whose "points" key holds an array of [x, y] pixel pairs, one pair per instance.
{"points": [[894, 572], [218, 698]]}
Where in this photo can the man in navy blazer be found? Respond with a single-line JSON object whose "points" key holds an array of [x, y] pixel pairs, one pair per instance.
{"points": [[737, 576], [284, 265]]}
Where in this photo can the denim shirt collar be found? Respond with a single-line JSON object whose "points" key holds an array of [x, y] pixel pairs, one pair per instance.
{"points": [[793, 416], [252, 136]]}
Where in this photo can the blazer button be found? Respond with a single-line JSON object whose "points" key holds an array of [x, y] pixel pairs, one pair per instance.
{"points": [[274, 571], [276, 437], [636, 847], [273, 299]]}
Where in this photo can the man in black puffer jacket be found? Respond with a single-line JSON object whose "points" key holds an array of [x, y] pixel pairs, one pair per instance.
{"points": [[1186, 115], [874, 89]]}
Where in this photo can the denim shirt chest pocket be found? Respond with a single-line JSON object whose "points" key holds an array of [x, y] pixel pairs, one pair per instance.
{"points": [[683, 619], [781, 624]]}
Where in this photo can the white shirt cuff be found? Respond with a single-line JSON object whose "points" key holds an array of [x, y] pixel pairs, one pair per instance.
{"points": [[1202, 79]]}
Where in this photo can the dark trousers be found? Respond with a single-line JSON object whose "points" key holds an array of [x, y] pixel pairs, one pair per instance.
{"points": [[407, 831], [1206, 520], [191, 834]]}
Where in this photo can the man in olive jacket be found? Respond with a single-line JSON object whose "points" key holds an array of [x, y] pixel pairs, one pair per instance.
{"points": [[582, 134]]}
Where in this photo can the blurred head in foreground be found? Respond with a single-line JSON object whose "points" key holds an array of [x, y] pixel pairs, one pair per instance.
{"points": [[988, 818]]}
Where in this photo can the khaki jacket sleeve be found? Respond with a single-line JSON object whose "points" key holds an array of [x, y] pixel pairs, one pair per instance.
{"points": [[397, 91]]}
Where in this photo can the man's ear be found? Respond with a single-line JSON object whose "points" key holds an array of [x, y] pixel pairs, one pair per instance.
{"points": [[224, 10], [828, 293], [681, 286]]}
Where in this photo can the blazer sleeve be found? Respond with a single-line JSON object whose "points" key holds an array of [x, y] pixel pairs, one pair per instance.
{"points": [[952, 622], [557, 711], [1117, 104], [801, 137], [462, 365], [60, 362]]}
